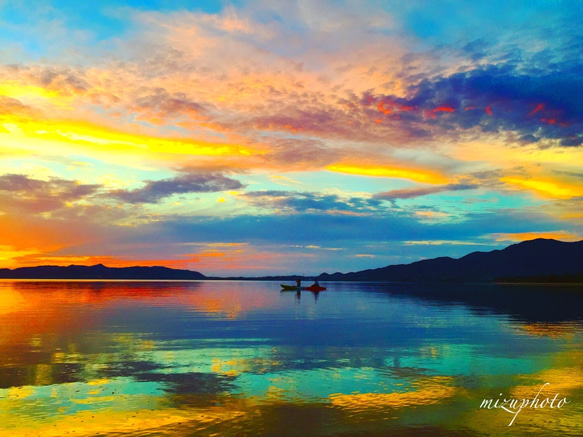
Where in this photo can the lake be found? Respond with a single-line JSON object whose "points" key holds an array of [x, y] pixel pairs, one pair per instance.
{"points": [[225, 358]]}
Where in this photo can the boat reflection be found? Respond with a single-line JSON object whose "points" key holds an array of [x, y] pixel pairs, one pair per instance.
{"points": [[298, 294]]}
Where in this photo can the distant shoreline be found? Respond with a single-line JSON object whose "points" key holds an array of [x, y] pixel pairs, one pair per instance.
{"points": [[539, 261], [259, 279]]}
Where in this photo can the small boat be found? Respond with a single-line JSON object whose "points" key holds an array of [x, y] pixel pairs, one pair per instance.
{"points": [[290, 287], [296, 288], [315, 288]]}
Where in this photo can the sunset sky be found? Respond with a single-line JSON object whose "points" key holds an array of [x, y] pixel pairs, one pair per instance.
{"points": [[275, 137]]}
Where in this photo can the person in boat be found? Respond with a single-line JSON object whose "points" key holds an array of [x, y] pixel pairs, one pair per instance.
{"points": [[316, 283], [298, 282]]}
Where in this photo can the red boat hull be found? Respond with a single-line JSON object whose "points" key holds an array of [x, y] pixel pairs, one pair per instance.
{"points": [[315, 288]]}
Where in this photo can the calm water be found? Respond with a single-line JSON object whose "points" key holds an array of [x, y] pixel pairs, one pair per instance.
{"points": [[244, 359]]}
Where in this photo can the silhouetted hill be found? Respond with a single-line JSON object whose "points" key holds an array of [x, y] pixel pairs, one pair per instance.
{"points": [[98, 271], [539, 260]]}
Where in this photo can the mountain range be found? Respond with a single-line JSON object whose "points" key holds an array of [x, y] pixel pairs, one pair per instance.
{"points": [[99, 271], [540, 260]]}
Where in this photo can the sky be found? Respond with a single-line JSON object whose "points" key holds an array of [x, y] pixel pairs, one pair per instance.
{"points": [[286, 137]]}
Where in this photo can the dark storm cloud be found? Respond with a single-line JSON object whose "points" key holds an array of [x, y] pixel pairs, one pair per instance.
{"points": [[154, 191]]}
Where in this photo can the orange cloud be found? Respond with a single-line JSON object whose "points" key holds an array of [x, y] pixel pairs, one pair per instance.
{"points": [[415, 174], [444, 109], [383, 109], [393, 106], [431, 214], [546, 188], [25, 236], [572, 215], [234, 259]]}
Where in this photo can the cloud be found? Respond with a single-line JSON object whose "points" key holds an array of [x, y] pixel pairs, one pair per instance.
{"points": [[64, 80], [345, 70], [155, 191], [281, 237], [390, 171], [547, 188], [299, 154], [495, 98], [305, 201], [571, 141], [35, 195], [13, 107], [569, 174], [410, 193], [381, 234], [159, 106], [346, 230]]}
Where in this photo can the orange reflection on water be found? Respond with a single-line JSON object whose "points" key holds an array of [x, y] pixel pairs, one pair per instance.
{"points": [[29, 309], [232, 301], [11, 301], [107, 422], [431, 390], [553, 330], [202, 296], [563, 381], [28, 315]]}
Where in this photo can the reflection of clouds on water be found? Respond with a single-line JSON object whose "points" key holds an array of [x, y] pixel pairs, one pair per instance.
{"points": [[232, 302], [41, 374], [563, 330], [128, 422], [426, 391], [246, 354], [193, 383]]}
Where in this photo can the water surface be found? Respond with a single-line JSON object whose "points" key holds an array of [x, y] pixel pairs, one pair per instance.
{"points": [[242, 358]]}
